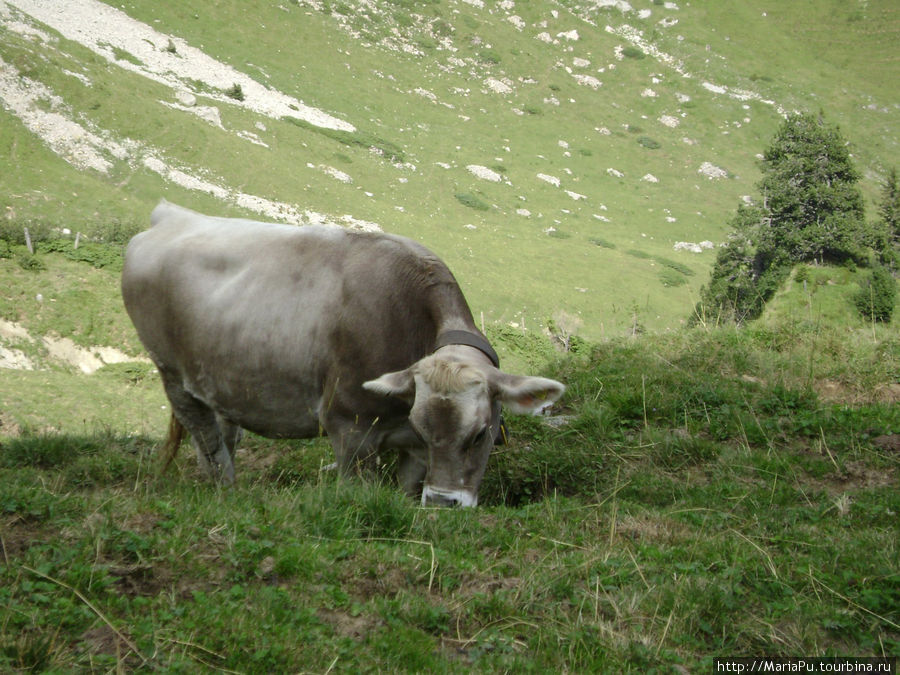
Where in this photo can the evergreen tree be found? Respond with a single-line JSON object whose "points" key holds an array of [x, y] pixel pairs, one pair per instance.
{"points": [[810, 210], [815, 210], [875, 299], [889, 209], [885, 235], [731, 294]]}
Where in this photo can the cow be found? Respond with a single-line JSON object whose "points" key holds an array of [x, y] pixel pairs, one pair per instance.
{"points": [[292, 332]]}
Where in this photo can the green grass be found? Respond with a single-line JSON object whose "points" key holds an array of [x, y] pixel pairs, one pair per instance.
{"points": [[701, 499], [705, 493], [78, 299], [373, 84]]}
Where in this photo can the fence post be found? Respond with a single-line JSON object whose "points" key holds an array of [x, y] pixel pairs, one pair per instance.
{"points": [[77, 239], [28, 241]]}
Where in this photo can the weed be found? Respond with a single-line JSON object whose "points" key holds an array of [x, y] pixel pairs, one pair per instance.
{"points": [[30, 263]]}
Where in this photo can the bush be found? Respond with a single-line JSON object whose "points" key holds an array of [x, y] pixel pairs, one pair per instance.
{"points": [[671, 278], [236, 92], [875, 300], [31, 263]]}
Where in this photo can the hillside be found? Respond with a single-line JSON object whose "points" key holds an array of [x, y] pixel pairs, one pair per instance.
{"points": [[555, 154]]}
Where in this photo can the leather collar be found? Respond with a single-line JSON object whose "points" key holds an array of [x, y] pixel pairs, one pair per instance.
{"points": [[464, 337]]}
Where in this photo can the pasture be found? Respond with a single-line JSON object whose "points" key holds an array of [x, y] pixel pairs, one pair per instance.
{"points": [[523, 142], [709, 493], [698, 493]]}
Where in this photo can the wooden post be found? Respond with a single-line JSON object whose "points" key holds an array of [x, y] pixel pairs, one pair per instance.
{"points": [[28, 241], [77, 239]]}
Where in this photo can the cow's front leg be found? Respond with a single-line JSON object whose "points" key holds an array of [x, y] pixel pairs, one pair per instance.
{"points": [[412, 464], [355, 445]]}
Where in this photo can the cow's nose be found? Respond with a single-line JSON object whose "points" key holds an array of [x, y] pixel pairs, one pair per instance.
{"points": [[432, 496]]}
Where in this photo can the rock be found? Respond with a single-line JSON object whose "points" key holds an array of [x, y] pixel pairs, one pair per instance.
{"points": [[186, 98]]}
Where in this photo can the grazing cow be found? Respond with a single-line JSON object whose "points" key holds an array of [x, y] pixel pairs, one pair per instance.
{"points": [[295, 331]]}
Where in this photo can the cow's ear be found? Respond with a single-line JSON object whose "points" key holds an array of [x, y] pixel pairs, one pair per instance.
{"points": [[401, 384], [523, 394]]}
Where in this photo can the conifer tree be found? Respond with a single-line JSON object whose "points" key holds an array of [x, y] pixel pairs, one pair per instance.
{"points": [[814, 207], [886, 230], [810, 210]]}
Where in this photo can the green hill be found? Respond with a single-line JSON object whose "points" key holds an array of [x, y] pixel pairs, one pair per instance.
{"points": [[699, 493], [553, 153]]}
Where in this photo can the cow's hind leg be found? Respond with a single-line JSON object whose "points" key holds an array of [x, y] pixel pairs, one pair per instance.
{"points": [[213, 452], [231, 435]]}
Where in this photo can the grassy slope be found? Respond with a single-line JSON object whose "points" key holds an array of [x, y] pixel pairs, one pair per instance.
{"points": [[680, 515], [506, 265], [701, 501]]}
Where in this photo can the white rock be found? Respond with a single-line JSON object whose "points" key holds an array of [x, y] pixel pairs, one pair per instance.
{"points": [[185, 98], [553, 180], [484, 173], [712, 171]]}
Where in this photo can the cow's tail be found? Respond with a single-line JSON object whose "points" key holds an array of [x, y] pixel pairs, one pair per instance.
{"points": [[173, 442]]}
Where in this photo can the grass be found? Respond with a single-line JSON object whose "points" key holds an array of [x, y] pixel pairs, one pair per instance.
{"points": [[411, 183], [703, 493], [701, 499]]}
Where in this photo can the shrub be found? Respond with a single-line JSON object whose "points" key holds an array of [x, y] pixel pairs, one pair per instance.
{"points": [[236, 92], [442, 28], [633, 52], [875, 300], [489, 56], [649, 143], [681, 268], [31, 262]]}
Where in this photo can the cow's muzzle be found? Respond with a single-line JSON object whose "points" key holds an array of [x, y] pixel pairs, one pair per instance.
{"points": [[432, 496]]}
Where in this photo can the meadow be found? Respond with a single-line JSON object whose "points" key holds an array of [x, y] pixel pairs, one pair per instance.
{"points": [[700, 492], [646, 121], [709, 493]]}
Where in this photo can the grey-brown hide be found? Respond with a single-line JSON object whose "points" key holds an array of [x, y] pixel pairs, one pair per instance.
{"points": [[276, 328]]}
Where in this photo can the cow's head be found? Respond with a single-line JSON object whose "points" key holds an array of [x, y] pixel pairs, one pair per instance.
{"points": [[455, 409]]}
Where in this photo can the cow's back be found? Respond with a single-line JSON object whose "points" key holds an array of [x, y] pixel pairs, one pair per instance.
{"points": [[263, 321]]}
